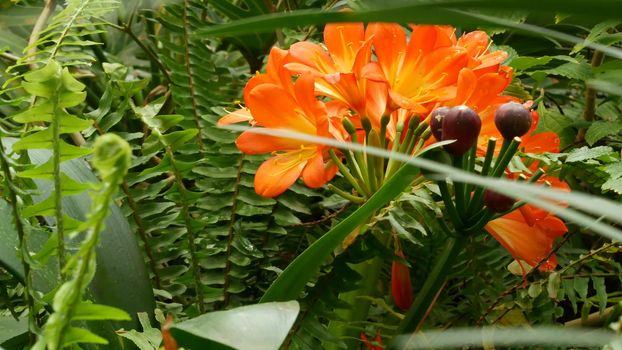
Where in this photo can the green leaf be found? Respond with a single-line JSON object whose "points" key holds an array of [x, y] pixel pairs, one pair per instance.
{"points": [[613, 184], [45, 278], [80, 335], [89, 311], [292, 281], [458, 13], [177, 139], [10, 328], [586, 153], [600, 129], [535, 337], [149, 339], [580, 286], [601, 292], [264, 326]]}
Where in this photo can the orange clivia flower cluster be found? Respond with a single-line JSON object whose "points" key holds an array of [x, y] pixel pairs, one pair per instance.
{"points": [[376, 70], [406, 77]]}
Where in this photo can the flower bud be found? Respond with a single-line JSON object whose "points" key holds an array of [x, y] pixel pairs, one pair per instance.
{"points": [[512, 119], [497, 202], [462, 124], [401, 285], [436, 121]]}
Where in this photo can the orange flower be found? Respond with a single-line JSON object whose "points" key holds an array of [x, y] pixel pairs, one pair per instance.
{"points": [[421, 72], [481, 60], [339, 72], [272, 106], [275, 74], [528, 234]]}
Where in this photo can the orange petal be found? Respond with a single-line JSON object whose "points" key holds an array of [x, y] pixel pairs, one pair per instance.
{"points": [[237, 116], [313, 174], [523, 242], [313, 110], [389, 42], [543, 142], [253, 143], [476, 42], [277, 174], [273, 107], [376, 98], [343, 41], [312, 56], [427, 39], [467, 82]]}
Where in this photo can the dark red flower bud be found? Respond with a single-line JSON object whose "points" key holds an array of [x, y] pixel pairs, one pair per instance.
{"points": [[462, 124], [512, 120], [436, 121], [401, 286], [497, 202]]}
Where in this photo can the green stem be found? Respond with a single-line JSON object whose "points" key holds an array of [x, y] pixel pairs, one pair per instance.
{"points": [[470, 167], [392, 163], [361, 161], [346, 173], [449, 204], [58, 195], [185, 211], [459, 188], [345, 195], [23, 244], [476, 201], [433, 283], [506, 155]]}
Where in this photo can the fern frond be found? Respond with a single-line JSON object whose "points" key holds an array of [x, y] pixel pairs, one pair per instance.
{"points": [[65, 37]]}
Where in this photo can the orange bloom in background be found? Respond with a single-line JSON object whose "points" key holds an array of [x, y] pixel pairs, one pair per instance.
{"points": [[272, 106], [528, 234]]}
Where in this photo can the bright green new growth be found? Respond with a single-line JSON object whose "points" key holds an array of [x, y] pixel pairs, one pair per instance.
{"points": [[111, 159], [55, 89], [111, 156]]}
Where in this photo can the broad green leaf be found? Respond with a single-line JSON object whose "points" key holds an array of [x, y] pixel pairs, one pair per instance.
{"points": [[10, 328], [292, 281], [426, 12], [509, 337], [264, 327]]}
